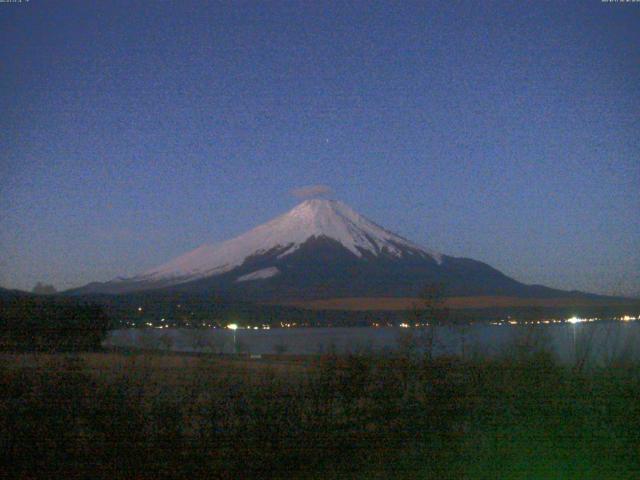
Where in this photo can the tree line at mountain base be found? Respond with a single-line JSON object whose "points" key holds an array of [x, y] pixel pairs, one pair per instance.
{"points": [[183, 310], [46, 324]]}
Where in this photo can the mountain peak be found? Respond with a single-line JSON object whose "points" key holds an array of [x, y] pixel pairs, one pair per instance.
{"points": [[313, 218], [318, 207], [316, 202]]}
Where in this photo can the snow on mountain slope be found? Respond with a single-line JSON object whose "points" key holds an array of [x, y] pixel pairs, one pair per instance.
{"points": [[285, 234], [259, 274]]}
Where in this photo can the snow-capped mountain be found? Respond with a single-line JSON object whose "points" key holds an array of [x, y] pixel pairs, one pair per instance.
{"points": [[319, 249], [284, 235]]}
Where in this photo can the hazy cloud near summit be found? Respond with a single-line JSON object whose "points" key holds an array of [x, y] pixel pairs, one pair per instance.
{"points": [[311, 191]]}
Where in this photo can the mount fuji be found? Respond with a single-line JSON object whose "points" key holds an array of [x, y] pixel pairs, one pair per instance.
{"points": [[320, 249]]}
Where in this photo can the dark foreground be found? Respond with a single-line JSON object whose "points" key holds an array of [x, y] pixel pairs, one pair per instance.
{"points": [[169, 416]]}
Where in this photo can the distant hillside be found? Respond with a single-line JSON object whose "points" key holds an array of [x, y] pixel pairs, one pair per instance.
{"points": [[7, 294]]}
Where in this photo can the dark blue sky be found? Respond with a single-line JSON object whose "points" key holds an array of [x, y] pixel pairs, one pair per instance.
{"points": [[508, 132]]}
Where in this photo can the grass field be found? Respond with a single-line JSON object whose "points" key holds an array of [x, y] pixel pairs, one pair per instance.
{"points": [[146, 415]]}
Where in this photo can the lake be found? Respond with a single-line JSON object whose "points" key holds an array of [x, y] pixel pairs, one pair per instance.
{"points": [[603, 341]]}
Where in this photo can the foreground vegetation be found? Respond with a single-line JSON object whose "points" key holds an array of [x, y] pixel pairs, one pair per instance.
{"points": [[107, 415]]}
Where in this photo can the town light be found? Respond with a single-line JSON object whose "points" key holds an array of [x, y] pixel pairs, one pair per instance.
{"points": [[233, 327]]}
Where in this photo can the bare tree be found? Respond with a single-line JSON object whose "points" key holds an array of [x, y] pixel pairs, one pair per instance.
{"points": [[44, 289], [281, 348], [166, 341], [147, 339], [428, 313], [197, 339]]}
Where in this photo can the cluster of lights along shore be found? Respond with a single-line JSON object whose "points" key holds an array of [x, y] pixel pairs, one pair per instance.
{"points": [[165, 323]]}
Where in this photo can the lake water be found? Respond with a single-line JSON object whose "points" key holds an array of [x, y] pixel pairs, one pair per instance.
{"points": [[602, 342]]}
